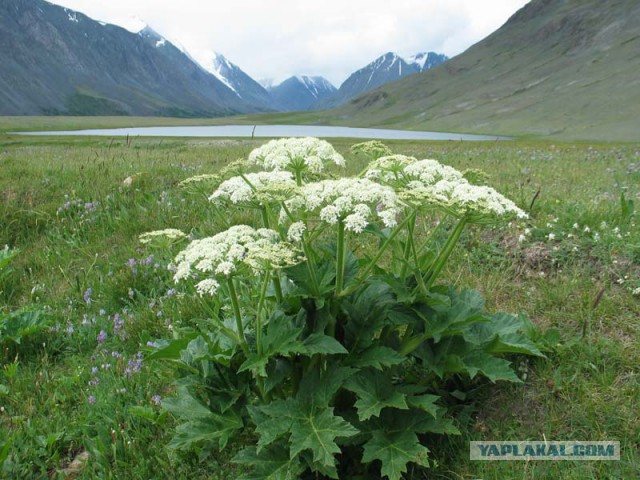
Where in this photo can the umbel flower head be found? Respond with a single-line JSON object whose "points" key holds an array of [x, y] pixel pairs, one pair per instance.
{"points": [[388, 168], [373, 149], [351, 200], [479, 204], [259, 188], [231, 251], [207, 178], [296, 154], [169, 234]]}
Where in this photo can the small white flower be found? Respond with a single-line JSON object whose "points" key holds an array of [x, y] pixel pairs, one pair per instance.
{"points": [[207, 286], [636, 292], [353, 200], [295, 232], [522, 238], [576, 226], [551, 236], [168, 233], [296, 154], [586, 229], [261, 187]]}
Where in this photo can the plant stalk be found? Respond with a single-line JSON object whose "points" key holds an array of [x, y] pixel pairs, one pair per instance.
{"points": [[444, 254], [238, 316]]}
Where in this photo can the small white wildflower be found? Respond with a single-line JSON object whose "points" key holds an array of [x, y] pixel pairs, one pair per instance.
{"points": [[551, 236], [461, 198], [227, 252], [527, 231], [430, 172], [168, 233], [207, 286], [208, 178], [261, 187], [549, 225], [388, 168], [296, 154], [596, 237], [295, 232], [354, 198], [521, 238], [586, 229], [636, 292], [576, 226]]}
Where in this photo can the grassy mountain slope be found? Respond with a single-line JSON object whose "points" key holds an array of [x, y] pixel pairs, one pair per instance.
{"points": [[565, 68]]}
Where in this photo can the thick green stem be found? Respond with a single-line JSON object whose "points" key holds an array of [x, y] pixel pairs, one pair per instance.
{"points": [[310, 267], [265, 217], [444, 254], [277, 287], [263, 295], [298, 177], [238, 315], [363, 276], [340, 258], [409, 247]]}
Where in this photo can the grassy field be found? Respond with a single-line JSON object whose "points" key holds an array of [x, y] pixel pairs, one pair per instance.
{"points": [[77, 400]]}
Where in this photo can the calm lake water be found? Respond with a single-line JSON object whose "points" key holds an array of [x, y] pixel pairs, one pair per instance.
{"points": [[272, 131]]}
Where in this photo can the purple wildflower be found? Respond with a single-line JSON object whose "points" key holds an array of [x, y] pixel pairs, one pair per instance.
{"points": [[156, 399], [102, 336], [91, 400], [87, 296]]}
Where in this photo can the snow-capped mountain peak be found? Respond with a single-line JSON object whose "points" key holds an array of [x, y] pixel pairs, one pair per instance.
{"points": [[426, 60], [133, 24]]}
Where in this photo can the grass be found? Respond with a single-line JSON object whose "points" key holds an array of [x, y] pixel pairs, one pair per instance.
{"points": [[83, 265]]}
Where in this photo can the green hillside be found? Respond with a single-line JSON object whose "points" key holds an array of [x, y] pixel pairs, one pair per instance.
{"points": [[563, 68]]}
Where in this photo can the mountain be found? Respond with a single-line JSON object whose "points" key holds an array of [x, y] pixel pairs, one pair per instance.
{"points": [[565, 68], [237, 80], [59, 61], [426, 60], [385, 69], [300, 92]]}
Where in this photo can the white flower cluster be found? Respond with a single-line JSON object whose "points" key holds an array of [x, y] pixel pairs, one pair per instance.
{"points": [[296, 154], [373, 149], [261, 187], [430, 172], [225, 253], [208, 286], [351, 200], [461, 198], [169, 234], [205, 177], [295, 232], [388, 168]]}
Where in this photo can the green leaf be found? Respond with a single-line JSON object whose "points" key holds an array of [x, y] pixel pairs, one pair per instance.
{"points": [[21, 323], [395, 451], [426, 403], [493, 368], [375, 392], [184, 405], [319, 386], [271, 464], [272, 420], [172, 349], [215, 428], [317, 431], [323, 344], [280, 339], [377, 357]]}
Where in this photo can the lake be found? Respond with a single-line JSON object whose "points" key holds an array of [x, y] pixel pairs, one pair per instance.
{"points": [[271, 131]]}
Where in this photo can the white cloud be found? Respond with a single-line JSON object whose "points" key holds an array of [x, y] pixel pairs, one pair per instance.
{"points": [[279, 38]]}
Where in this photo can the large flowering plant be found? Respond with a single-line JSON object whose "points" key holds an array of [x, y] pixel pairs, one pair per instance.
{"points": [[329, 342]]}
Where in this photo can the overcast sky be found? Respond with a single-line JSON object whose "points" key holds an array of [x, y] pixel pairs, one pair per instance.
{"points": [[279, 38]]}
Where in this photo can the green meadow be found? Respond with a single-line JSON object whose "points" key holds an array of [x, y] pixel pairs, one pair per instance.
{"points": [[79, 400]]}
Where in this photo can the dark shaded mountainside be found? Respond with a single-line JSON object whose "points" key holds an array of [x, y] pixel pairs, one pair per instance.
{"points": [[58, 61], [566, 68]]}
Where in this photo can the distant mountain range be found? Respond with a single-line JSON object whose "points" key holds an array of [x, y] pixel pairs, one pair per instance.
{"points": [[385, 69], [58, 61], [564, 68]]}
